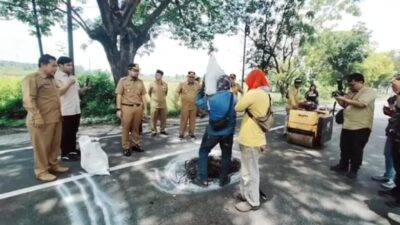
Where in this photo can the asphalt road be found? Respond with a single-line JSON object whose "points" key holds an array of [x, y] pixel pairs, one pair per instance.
{"points": [[301, 188]]}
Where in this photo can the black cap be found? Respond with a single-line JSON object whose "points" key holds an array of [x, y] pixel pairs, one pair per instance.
{"points": [[298, 81], [192, 74], [133, 66]]}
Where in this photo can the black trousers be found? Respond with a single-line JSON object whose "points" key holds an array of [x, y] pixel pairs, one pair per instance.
{"points": [[207, 144], [352, 143], [70, 128]]}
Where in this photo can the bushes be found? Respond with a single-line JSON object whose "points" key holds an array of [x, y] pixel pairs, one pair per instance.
{"points": [[98, 104], [11, 98]]}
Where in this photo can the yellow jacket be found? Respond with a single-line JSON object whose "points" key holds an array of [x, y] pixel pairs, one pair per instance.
{"points": [[293, 97], [257, 101]]}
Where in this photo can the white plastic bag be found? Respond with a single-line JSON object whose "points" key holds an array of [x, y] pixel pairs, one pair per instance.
{"points": [[213, 72], [93, 159]]}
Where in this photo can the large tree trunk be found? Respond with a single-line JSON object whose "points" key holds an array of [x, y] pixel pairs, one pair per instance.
{"points": [[119, 60], [119, 57]]}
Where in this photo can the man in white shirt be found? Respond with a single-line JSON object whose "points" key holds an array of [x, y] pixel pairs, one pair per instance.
{"points": [[70, 108]]}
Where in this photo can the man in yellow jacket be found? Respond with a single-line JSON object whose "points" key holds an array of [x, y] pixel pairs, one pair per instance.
{"points": [[252, 139]]}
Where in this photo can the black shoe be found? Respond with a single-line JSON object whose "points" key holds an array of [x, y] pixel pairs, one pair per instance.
{"points": [[224, 182], [77, 152], [389, 193], [340, 168], [351, 175], [153, 134], [192, 136], [379, 178], [263, 197], [127, 152], [70, 158], [137, 148], [200, 183], [181, 137], [163, 133], [393, 204]]}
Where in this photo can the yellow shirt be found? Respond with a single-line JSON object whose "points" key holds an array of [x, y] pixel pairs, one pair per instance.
{"points": [[41, 98], [131, 90], [188, 93], [158, 91], [293, 97], [358, 118], [257, 101]]}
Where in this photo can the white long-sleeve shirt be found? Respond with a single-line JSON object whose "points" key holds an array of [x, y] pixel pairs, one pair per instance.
{"points": [[70, 101]]}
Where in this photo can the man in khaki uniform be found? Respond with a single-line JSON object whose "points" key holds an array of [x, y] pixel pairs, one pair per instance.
{"points": [[187, 91], [293, 95], [158, 92], [131, 108], [359, 105], [235, 87], [41, 99]]}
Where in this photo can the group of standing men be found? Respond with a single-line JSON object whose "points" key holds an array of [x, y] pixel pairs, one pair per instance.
{"points": [[132, 105], [51, 98]]}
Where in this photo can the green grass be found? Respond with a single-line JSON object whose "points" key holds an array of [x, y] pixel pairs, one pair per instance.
{"points": [[11, 71]]}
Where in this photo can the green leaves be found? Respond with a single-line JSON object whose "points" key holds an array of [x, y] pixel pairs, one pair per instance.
{"points": [[195, 22], [335, 54], [22, 10], [378, 68]]}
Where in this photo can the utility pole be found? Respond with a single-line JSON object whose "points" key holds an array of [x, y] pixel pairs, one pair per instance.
{"points": [[246, 32], [38, 33], [70, 35]]}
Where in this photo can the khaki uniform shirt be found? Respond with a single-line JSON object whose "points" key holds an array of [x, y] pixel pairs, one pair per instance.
{"points": [[41, 98], [130, 90], [158, 91], [358, 118], [188, 93], [293, 97], [236, 88]]}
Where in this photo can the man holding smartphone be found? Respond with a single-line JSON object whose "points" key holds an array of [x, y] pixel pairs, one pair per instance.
{"points": [[70, 107]]}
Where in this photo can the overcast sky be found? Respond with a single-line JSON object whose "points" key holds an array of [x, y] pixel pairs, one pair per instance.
{"points": [[16, 44]]}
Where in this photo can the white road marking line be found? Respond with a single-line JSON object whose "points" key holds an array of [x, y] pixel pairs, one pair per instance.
{"points": [[78, 177], [105, 137], [14, 150]]}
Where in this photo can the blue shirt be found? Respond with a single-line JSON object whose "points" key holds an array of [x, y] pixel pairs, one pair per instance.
{"points": [[217, 107]]}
